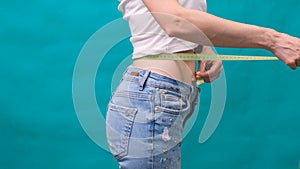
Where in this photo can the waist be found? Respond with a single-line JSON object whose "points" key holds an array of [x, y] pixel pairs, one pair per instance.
{"points": [[155, 80], [177, 69]]}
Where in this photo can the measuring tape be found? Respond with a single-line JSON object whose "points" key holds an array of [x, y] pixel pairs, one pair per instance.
{"points": [[190, 56]]}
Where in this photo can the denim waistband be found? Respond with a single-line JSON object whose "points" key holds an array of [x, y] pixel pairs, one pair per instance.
{"points": [[148, 78]]}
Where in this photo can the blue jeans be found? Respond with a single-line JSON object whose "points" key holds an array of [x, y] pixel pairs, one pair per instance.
{"points": [[145, 119]]}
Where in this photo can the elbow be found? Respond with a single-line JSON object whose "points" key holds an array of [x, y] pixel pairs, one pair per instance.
{"points": [[170, 31], [171, 22], [174, 26]]}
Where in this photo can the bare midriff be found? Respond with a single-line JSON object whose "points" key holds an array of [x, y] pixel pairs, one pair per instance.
{"points": [[177, 69]]}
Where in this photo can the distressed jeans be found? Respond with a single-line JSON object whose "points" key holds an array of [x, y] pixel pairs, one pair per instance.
{"points": [[145, 119]]}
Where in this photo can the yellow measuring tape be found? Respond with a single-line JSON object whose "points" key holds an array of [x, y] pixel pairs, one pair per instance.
{"points": [[190, 56]]}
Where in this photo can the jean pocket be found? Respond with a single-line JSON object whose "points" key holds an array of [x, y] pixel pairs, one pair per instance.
{"points": [[168, 125], [119, 122], [173, 101]]}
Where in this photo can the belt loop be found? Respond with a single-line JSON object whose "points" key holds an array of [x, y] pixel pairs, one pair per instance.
{"points": [[143, 80]]}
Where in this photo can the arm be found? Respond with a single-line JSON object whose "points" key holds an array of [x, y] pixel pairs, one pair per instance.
{"points": [[186, 24]]}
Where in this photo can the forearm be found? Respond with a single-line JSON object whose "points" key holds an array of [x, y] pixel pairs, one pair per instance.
{"points": [[225, 33]]}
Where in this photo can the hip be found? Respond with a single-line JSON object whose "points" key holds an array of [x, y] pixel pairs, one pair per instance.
{"points": [[146, 114]]}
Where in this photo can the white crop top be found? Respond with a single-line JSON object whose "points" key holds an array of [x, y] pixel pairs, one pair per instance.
{"points": [[147, 37]]}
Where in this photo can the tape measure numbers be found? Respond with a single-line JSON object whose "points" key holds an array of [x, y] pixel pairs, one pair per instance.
{"points": [[190, 56]]}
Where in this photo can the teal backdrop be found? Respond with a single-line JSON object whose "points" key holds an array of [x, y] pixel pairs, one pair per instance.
{"points": [[40, 42]]}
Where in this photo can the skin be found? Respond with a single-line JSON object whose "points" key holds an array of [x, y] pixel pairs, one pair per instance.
{"points": [[186, 24]]}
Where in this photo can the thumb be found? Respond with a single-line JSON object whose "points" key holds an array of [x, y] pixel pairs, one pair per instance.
{"points": [[201, 69]]}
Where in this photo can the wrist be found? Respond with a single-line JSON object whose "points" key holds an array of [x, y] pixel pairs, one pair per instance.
{"points": [[270, 37]]}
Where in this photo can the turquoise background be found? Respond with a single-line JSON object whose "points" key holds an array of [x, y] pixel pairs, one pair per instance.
{"points": [[40, 42]]}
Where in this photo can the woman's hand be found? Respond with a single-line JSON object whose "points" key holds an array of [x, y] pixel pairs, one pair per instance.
{"points": [[287, 49], [209, 70]]}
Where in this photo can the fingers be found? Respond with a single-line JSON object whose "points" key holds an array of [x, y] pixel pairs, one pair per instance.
{"points": [[292, 65], [292, 62], [287, 49], [213, 71]]}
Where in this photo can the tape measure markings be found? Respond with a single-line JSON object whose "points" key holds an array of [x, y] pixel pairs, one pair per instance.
{"points": [[190, 56]]}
